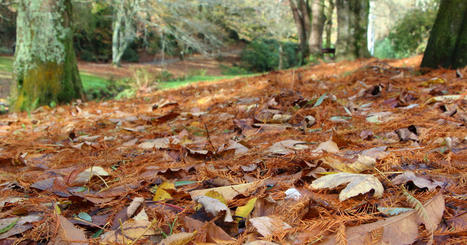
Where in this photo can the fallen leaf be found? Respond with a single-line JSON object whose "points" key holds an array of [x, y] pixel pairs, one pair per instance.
{"points": [[400, 229], [84, 177], [160, 143], [181, 238], [420, 182], [357, 184], [134, 205], [393, 211], [286, 147], [361, 164], [161, 192], [69, 234], [214, 207], [132, 230], [245, 210], [445, 98], [327, 146], [228, 192], [21, 225], [267, 225], [260, 242]]}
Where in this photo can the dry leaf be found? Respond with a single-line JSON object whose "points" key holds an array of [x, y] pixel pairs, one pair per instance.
{"points": [[244, 211], [401, 229], [267, 225], [214, 207], [161, 192], [181, 238], [69, 234], [361, 164], [357, 184], [420, 182], [287, 146], [22, 224], [132, 230], [83, 177], [134, 205], [327, 146], [228, 192]]}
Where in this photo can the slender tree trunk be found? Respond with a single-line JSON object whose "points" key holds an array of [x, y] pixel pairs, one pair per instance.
{"points": [[352, 18], [46, 71], [302, 17], [447, 46], [317, 25], [281, 57], [328, 24], [123, 28]]}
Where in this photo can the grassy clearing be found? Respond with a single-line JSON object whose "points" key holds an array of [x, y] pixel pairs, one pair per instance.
{"points": [[192, 79], [96, 86]]}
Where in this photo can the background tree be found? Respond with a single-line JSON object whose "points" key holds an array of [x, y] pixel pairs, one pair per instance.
{"points": [[447, 46], [352, 24], [45, 64], [329, 10], [302, 15], [317, 25]]}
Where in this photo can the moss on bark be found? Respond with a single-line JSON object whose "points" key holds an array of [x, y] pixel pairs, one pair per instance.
{"points": [[45, 63], [448, 37]]}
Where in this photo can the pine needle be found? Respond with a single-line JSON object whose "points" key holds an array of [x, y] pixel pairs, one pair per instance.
{"points": [[341, 236]]}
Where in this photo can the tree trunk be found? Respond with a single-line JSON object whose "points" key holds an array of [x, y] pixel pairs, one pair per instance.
{"points": [[328, 24], [447, 46], [302, 15], [317, 25], [46, 71], [352, 18], [123, 28]]}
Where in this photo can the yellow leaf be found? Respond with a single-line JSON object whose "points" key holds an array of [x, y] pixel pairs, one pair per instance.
{"points": [[244, 211], [181, 238], [161, 192], [167, 186], [216, 195]]}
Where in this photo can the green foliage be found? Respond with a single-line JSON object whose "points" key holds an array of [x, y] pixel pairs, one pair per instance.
{"points": [[409, 35], [93, 31], [263, 55], [233, 70]]}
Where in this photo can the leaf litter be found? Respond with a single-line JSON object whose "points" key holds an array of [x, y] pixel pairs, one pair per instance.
{"points": [[356, 152]]}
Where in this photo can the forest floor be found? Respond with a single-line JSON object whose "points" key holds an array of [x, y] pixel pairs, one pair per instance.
{"points": [[358, 152]]}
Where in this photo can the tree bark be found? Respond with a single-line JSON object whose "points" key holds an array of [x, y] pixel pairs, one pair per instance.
{"points": [[447, 45], [352, 18], [123, 28], [302, 15], [46, 71], [328, 23], [317, 25]]}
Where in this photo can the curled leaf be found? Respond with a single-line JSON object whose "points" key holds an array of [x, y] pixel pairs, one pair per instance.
{"points": [[357, 184]]}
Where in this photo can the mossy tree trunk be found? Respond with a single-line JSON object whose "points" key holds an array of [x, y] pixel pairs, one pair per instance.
{"points": [[46, 71], [317, 26], [447, 46], [352, 26], [302, 16]]}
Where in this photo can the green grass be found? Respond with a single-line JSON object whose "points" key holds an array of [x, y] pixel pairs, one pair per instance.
{"points": [[6, 64], [193, 79]]}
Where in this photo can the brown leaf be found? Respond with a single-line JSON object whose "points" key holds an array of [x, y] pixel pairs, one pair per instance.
{"points": [[401, 229], [69, 234], [420, 182], [267, 225]]}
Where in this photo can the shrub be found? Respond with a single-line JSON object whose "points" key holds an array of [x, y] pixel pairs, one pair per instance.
{"points": [[233, 70], [410, 34], [262, 55]]}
